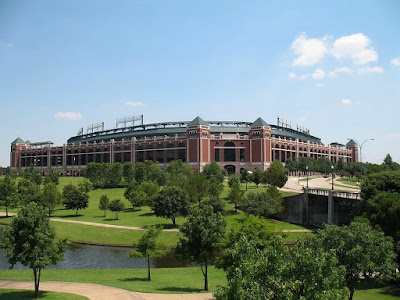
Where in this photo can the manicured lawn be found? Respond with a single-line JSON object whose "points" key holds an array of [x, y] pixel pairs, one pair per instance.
{"points": [[349, 180], [8, 294], [142, 217], [172, 280], [164, 280]]}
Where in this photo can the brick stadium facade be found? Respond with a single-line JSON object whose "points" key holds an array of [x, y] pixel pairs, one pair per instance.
{"points": [[233, 145]]}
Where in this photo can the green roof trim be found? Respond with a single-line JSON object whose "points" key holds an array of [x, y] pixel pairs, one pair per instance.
{"points": [[351, 143], [198, 121], [259, 122], [18, 140]]}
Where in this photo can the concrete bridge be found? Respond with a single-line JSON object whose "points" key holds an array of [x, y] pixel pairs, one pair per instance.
{"points": [[316, 206]]}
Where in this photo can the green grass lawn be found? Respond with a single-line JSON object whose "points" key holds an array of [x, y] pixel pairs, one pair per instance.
{"points": [[142, 217], [349, 181], [172, 280], [8, 294]]}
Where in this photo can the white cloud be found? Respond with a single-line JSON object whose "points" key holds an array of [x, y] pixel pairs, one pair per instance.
{"points": [[292, 75], [309, 51], [343, 70], [346, 101], [395, 61], [355, 46], [319, 85], [68, 115], [371, 70], [318, 74], [130, 103]]}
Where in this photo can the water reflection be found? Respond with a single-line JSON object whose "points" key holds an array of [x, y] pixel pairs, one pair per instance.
{"points": [[78, 256]]}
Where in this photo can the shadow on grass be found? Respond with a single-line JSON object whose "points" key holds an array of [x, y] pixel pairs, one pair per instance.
{"points": [[132, 279], [130, 209], [385, 288], [149, 214], [21, 294], [180, 290], [67, 216], [164, 226]]}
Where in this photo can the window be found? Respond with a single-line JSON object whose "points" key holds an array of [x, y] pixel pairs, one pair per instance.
{"points": [[242, 155], [216, 154], [182, 152]]}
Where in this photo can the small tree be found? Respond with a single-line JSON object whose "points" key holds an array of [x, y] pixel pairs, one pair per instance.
{"points": [[235, 195], [116, 206], [246, 176], [196, 187], [134, 194], [265, 204], [103, 204], [85, 186], [8, 193], [203, 233], [149, 247], [128, 172], [171, 202], [28, 191], [74, 199], [31, 241], [233, 179], [50, 197], [276, 174], [213, 170], [257, 176]]}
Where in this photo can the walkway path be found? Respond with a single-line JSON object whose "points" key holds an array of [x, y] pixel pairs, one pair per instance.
{"points": [[294, 185], [97, 291]]}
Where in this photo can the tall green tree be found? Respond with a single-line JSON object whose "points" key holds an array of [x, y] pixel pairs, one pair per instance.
{"points": [[359, 249], [235, 195], [257, 176], [149, 247], [116, 206], [202, 236], [103, 204], [276, 174], [85, 186], [387, 181], [50, 197], [74, 199], [233, 179], [246, 176], [171, 202], [8, 193], [128, 172], [30, 240], [196, 187], [28, 191], [113, 174]]}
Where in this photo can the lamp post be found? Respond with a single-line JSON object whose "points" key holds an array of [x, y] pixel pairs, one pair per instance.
{"points": [[361, 145], [307, 175], [332, 167]]}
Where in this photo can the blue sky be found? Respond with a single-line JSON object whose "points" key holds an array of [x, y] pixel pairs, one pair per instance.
{"points": [[331, 67]]}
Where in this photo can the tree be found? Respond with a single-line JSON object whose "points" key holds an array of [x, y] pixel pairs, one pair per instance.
{"points": [[265, 204], [387, 181], [32, 175], [28, 191], [50, 197], [203, 233], [8, 193], [113, 174], [85, 186], [257, 274], [215, 187], [257, 176], [360, 249], [74, 199], [31, 241], [212, 170], [235, 195], [216, 202], [103, 204], [135, 195], [52, 177], [196, 187], [171, 202], [150, 188], [276, 174], [95, 174], [128, 172], [178, 173], [388, 161], [233, 179], [116, 206], [149, 247], [246, 176]]}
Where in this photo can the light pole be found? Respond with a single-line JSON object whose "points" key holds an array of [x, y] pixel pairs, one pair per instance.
{"points": [[332, 167], [307, 175], [361, 145]]}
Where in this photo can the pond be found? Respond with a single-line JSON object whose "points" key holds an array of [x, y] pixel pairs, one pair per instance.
{"points": [[78, 256]]}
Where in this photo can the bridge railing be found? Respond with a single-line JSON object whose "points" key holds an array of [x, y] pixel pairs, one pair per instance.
{"points": [[338, 194]]}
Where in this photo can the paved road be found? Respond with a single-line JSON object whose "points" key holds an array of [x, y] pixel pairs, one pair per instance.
{"points": [[294, 185], [98, 291]]}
